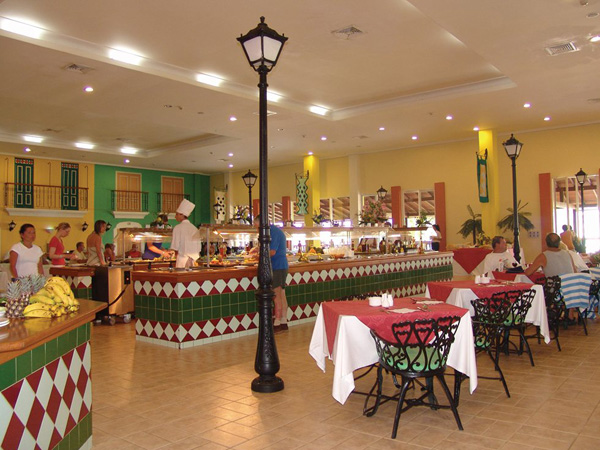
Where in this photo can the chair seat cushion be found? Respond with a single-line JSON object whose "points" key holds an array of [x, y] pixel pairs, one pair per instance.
{"points": [[414, 359]]}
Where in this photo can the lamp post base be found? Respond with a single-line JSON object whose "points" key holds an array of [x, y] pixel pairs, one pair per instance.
{"points": [[267, 384]]}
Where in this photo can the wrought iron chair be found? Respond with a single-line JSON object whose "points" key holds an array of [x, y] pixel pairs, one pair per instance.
{"points": [[555, 307], [594, 295], [521, 303], [420, 350], [488, 328]]}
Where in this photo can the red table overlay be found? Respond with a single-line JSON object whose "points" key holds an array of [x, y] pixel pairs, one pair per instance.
{"points": [[536, 277], [380, 319], [469, 258], [441, 290]]}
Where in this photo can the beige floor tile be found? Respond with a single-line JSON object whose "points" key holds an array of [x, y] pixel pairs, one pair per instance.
{"points": [[173, 399]]}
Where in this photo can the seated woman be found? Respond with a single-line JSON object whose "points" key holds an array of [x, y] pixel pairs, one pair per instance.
{"points": [[109, 253]]}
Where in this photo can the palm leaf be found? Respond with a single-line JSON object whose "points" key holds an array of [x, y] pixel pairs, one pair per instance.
{"points": [[507, 222]]}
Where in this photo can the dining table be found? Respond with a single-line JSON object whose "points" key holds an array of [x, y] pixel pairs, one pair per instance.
{"points": [[342, 333], [460, 293], [469, 260], [534, 278]]}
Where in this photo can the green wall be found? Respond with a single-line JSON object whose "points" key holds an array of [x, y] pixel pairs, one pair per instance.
{"points": [[197, 186]]}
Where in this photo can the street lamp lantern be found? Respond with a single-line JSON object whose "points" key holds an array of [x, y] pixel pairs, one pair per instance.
{"points": [[262, 47], [581, 177], [513, 150], [381, 193], [249, 181]]}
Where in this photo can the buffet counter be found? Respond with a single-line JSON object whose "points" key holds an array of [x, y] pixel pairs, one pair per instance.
{"points": [[180, 308], [45, 367]]}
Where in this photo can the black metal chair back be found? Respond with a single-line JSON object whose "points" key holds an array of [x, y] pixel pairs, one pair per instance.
{"points": [[555, 306], [419, 349]]}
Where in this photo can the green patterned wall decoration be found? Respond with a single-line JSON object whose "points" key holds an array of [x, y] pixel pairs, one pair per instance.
{"points": [[301, 193]]}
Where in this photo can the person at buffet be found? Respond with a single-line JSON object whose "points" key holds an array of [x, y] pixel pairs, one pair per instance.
{"points": [[26, 257], [500, 259], [567, 237], [186, 238], [553, 261], [437, 238], [56, 247], [134, 252], [80, 252], [279, 263], [94, 245], [109, 253], [155, 250]]}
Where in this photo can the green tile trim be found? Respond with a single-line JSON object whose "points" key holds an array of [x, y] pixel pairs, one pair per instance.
{"points": [[78, 435], [23, 365]]}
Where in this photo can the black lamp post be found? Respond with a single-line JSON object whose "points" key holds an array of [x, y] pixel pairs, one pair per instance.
{"points": [[581, 177], [262, 46], [381, 193], [513, 149], [249, 181]]}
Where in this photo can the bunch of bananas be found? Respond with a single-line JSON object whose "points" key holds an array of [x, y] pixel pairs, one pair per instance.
{"points": [[53, 300]]}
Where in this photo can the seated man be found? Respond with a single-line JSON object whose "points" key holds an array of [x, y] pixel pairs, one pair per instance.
{"points": [[134, 252], [553, 261], [80, 252], [500, 259]]}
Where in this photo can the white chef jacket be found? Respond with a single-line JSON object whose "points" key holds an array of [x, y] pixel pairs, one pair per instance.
{"points": [[186, 241]]}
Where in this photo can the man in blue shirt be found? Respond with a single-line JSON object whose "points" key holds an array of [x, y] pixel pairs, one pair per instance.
{"points": [[279, 264]]}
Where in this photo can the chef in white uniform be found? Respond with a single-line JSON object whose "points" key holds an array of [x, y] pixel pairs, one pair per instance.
{"points": [[186, 238]]}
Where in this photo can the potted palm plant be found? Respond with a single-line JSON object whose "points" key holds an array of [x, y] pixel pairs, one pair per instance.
{"points": [[471, 226], [507, 223]]}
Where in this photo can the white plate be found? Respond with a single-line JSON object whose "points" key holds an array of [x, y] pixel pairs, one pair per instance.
{"points": [[4, 322], [240, 267]]}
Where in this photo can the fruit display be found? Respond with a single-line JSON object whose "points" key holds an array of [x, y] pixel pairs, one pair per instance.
{"points": [[53, 300], [18, 293]]}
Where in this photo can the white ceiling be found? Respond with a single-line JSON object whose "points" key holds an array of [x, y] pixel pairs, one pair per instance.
{"points": [[415, 62]]}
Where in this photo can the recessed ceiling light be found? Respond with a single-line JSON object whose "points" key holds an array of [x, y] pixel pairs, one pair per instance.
{"points": [[595, 38], [229, 154], [21, 28], [414, 138], [527, 105], [125, 56], [88, 89], [547, 118], [318, 110], [475, 128], [273, 97], [449, 117], [381, 128], [323, 138], [279, 129], [128, 150], [126, 161], [209, 79], [35, 139], [230, 166], [310, 153], [84, 145], [27, 149], [232, 118]]}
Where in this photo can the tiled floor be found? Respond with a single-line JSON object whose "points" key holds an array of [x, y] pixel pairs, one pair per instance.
{"points": [[148, 396]]}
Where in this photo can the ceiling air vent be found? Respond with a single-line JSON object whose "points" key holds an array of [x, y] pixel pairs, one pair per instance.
{"points": [[78, 68], [347, 32], [361, 137], [567, 47]]}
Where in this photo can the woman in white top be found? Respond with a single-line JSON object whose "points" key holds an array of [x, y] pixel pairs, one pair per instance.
{"points": [[26, 257]]}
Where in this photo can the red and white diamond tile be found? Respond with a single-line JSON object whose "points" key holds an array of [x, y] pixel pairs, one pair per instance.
{"points": [[39, 410]]}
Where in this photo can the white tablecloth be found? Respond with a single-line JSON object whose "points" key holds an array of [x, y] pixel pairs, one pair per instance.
{"points": [[536, 315], [354, 348]]}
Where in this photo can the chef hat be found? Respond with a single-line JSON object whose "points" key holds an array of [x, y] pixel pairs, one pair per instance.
{"points": [[185, 207]]}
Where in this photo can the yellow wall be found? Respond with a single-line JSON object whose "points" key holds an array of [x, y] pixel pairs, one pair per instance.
{"points": [[46, 172]]}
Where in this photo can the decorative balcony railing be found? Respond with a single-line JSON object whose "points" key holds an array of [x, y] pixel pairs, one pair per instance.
{"points": [[41, 196], [168, 203], [134, 201]]}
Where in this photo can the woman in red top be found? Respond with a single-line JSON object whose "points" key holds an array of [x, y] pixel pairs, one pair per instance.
{"points": [[56, 248]]}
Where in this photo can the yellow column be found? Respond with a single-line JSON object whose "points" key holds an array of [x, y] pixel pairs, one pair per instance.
{"points": [[490, 212], [311, 164]]}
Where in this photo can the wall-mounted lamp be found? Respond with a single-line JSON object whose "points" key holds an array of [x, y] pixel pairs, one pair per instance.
{"points": [[108, 226], [84, 226], [12, 225]]}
